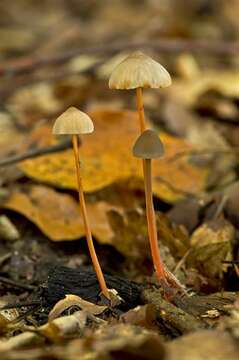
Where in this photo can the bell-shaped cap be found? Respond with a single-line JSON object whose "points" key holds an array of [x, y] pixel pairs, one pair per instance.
{"points": [[139, 70], [148, 145], [73, 122]]}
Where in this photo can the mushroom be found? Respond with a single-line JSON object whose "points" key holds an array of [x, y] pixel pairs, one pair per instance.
{"points": [[148, 146], [139, 71], [74, 122]]}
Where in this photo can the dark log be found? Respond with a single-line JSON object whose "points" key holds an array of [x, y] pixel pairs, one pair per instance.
{"points": [[63, 280]]}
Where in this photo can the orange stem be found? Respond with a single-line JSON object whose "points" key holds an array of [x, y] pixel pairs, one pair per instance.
{"points": [[90, 243], [140, 107], [152, 229]]}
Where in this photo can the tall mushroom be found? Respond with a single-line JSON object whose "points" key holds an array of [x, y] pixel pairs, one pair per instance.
{"points": [[139, 71], [148, 146], [74, 122]]}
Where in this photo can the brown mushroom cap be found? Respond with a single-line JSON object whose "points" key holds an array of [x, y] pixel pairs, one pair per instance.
{"points": [[73, 122], [139, 70], [148, 145]]}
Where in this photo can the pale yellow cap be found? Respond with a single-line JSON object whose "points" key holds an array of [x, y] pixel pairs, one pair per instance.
{"points": [[148, 145], [73, 122], [139, 70]]}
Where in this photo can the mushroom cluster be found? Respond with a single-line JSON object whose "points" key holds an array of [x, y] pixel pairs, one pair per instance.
{"points": [[137, 71]]}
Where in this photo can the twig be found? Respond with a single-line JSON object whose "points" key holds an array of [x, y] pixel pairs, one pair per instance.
{"points": [[20, 305], [16, 284], [36, 152], [181, 261], [220, 206], [27, 64]]}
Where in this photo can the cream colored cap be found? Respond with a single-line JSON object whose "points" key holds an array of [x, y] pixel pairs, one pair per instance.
{"points": [[139, 70], [148, 145], [73, 122]]}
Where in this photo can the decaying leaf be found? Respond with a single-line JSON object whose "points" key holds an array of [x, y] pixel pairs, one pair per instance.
{"points": [[231, 323], [20, 341], [174, 236], [131, 235], [122, 341], [144, 316], [106, 157], [72, 301], [213, 344], [213, 232], [58, 215], [211, 244], [63, 327]]}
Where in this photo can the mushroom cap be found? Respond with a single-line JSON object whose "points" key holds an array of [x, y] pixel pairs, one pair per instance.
{"points": [[148, 145], [139, 70], [73, 122]]}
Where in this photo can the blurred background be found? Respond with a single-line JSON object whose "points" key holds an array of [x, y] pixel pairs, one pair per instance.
{"points": [[55, 54]]}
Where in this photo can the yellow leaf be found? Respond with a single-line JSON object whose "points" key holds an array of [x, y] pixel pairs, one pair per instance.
{"points": [[58, 215], [106, 157]]}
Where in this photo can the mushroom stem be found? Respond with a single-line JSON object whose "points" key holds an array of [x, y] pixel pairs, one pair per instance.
{"points": [[140, 107], [90, 243], [152, 229]]}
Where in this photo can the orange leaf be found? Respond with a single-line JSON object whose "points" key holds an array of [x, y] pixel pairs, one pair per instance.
{"points": [[106, 157], [58, 215]]}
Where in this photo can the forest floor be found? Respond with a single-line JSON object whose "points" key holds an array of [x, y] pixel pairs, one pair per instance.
{"points": [[57, 54]]}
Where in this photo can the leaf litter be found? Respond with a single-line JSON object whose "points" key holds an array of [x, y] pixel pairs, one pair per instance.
{"points": [[195, 185]]}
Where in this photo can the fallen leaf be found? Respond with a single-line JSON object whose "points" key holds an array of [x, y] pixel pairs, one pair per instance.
{"points": [[123, 341], [213, 232], [74, 300], [58, 215], [212, 240], [63, 327], [174, 236], [225, 82], [213, 344], [144, 316], [20, 341], [106, 157], [131, 234]]}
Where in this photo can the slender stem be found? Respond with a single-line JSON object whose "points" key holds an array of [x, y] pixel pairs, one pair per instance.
{"points": [[90, 243], [152, 229], [140, 107]]}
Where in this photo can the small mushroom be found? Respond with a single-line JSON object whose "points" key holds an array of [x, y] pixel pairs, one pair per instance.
{"points": [[139, 71], [74, 122], [148, 146]]}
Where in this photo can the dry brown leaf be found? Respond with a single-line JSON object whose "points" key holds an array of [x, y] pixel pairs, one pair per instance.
{"points": [[187, 92], [212, 232], [20, 341], [144, 316], [58, 215], [74, 300], [213, 344], [211, 244], [121, 341], [106, 157], [65, 326]]}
